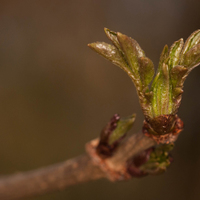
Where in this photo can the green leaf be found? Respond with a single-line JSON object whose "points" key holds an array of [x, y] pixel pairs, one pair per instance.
{"points": [[192, 40], [177, 74], [176, 93], [146, 71], [174, 53], [135, 57], [128, 55], [163, 57], [162, 99], [111, 53], [113, 37], [166, 104], [131, 54], [192, 58], [123, 126]]}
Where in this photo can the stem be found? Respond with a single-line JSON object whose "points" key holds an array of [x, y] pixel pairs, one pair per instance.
{"points": [[48, 179], [71, 172]]}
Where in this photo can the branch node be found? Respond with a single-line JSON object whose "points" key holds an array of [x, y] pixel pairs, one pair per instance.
{"points": [[113, 172]]}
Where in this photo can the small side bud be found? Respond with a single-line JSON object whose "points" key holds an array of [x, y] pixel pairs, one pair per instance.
{"points": [[135, 163], [152, 161], [113, 134]]}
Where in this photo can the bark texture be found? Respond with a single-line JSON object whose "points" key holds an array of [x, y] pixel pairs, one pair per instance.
{"points": [[74, 171], [48, 179]]}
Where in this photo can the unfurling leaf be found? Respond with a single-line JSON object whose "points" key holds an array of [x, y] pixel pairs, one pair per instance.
{"points": [[192, 40], [123, 126], [174, 53], [192, 58], [177, 74], [128, 55], [131, 54], [163, 57], [112, 134], [111, 53], [113, 37], [146, 71], [161, 102]]}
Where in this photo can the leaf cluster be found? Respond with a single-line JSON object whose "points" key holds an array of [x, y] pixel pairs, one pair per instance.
{"points": [[163, 97]]}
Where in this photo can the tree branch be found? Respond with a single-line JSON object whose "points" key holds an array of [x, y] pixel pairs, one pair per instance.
{"points": [[48, 179], [70, 172]]}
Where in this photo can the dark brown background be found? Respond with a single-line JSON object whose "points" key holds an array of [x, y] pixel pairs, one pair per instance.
{"points": [[56, 94]]}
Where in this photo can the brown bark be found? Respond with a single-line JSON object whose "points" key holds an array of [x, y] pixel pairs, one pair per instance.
{"points": [[48, 179], [71, 172]]}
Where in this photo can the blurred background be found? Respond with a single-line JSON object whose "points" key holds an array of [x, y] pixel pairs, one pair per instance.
{"points": [[56, 94]]}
